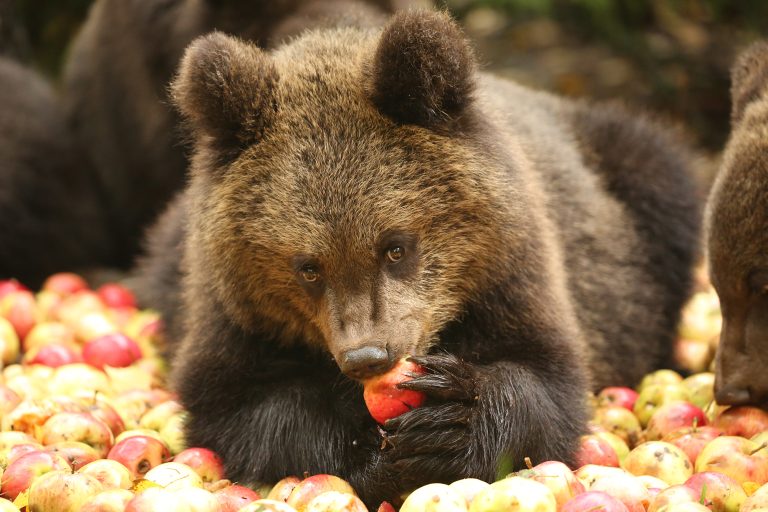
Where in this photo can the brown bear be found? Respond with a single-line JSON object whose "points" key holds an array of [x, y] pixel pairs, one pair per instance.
{"points": [[737, 237], [115, 88], [361, 195], [50, 212]]}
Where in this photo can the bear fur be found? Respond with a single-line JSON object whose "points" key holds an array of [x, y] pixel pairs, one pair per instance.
{"points": [[50, 212], [115, 88], [737, 237], [372, 190]]}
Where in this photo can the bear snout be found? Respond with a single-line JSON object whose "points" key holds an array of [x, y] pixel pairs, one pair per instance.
{"points": [[365, 362]]}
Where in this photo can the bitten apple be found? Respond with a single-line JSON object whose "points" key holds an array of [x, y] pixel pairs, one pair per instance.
{"points": [[385, 400]]}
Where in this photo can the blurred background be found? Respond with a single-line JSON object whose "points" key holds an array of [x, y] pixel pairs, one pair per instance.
{"points": [[670, 56]]}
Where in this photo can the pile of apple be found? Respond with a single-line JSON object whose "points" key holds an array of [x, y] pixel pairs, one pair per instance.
{"points": [[86, 424]]}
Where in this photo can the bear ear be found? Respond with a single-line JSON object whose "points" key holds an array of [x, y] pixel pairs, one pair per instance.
{"points": [[225, 90], [749, 78], [423, 69]]}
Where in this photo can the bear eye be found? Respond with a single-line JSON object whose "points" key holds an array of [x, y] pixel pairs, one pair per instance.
{"points": [[309, 273], [395, 253]]}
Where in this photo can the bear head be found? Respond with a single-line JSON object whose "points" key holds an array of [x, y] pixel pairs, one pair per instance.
{"points": [[344, 192]]}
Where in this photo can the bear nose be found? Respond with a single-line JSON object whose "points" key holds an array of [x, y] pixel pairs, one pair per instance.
{"points": [[364, 362], [732, 396]]}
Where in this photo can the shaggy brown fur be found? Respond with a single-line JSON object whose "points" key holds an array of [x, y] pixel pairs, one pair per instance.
{"points": [[491, 231], [737, 229], [50, 214], [116, 78]]}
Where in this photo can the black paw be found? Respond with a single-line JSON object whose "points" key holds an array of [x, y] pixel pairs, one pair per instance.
{"points": [[434, 441]]}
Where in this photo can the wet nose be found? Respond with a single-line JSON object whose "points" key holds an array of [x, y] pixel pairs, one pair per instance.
{"points": [[732, 396], [364, 362]]}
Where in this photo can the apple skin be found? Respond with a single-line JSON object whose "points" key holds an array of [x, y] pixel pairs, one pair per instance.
{"points": [[618, 444], [115, 295], [157, 417], [110, 473], [174, 476], [685, 507], [82, 426], [385, 400], [673, 494], [104, 412], [720, 492], [654, 396], [10, 345], [49, 333], [21, 472], [593, 500], [62, 491], [701, 388], [20, 309], [9, 399], [619, 421], [115, 349], [111, 500], [334, 501], [265, 505], [65, 283], [739, 458], [310, 487], [470, 487], [743, 420], [205, 462], [559, 479], [283, 488], [673, 416], [139, 454], [758, 500], [617, 396], [10, 285], [692, 439], [625, 488], [595, 450], [591, 473], [77, 454], [234, 497], [156, 499], [387, 507], [662, 460], [514, 493], [434, 498], [72, 379], [53, 355], [663, 377]]}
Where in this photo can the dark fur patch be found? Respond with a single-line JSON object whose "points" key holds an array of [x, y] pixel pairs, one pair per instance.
{"points": [[423, 69], [749, 78]]}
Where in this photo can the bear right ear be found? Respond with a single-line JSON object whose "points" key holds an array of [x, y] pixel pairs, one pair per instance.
{"points": [[225, 90], [749, 78]]}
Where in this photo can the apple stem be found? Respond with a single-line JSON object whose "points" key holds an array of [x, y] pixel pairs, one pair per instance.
{"points": [[695, 423], [764, 445], [528, 462]]}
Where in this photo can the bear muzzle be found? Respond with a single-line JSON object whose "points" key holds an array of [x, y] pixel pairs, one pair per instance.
{"points": [[364, 362]]}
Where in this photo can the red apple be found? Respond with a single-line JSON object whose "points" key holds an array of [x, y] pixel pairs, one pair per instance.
{"points": [[234, 497], [204, 461], [595, 450], [115, 349], [717, 491], [673, 416], [625, 488], [116, 296], [20, 310], [283, 488], [77, 454], [559, 479], [62, 491], [692, 439], [654, 396], [386, 507], [739, 458], [111, 500], [101, 410], [139, 454], [65, 283], [619, 421], [593, 500], [744, 421], [156, 499], [20, 473], [53, 355], [618, 396], [110, 473], [310, 487], [10, 285], [83, 427], [385, 400], [18, 450]]}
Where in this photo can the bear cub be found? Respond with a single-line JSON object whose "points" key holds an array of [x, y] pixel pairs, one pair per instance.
{"points": [[361, 195], [737, 235]]}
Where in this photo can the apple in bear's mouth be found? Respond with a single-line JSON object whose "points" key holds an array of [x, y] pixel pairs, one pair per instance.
{"points": [[384, 399]]}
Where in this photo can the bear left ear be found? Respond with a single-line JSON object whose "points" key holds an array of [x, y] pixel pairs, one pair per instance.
{"points": [[749, 79], [423, 69], [226, 91]]}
